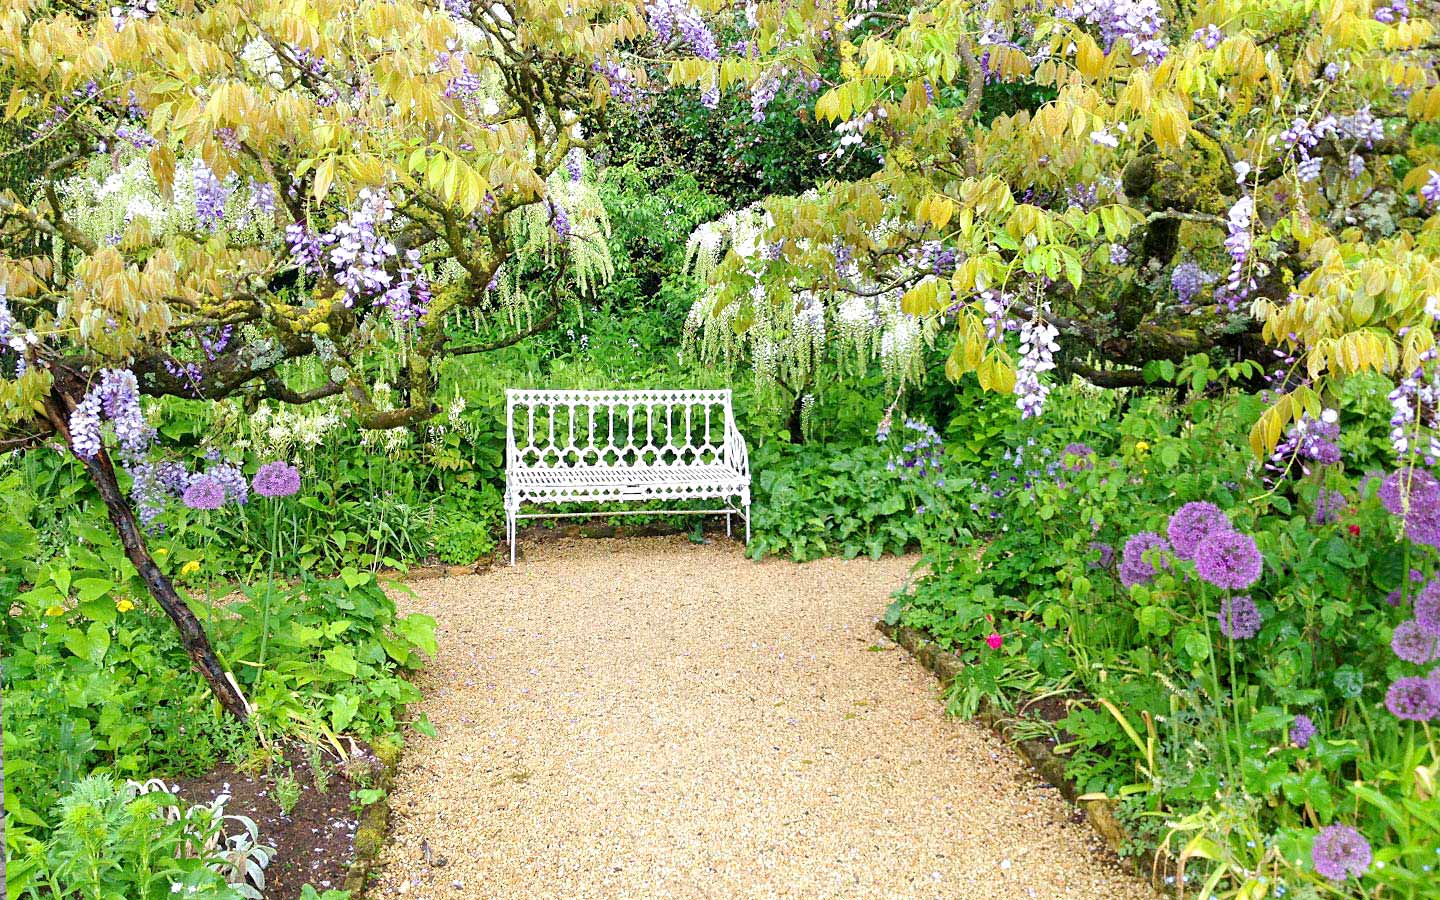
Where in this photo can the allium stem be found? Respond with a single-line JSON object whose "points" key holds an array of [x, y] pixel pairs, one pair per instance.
{"points": [[269, 579]]}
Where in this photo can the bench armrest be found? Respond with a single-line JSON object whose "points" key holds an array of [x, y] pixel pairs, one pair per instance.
{"points": [[736, 453]]}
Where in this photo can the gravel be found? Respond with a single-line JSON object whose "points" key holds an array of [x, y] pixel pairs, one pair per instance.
{"points": [[644, 718]]}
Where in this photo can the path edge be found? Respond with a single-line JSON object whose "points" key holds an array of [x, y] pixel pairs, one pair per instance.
{"points": [[945, 665], [374, 825]]}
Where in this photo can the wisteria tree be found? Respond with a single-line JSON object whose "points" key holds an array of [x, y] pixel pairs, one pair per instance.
{"points": [[1190, 177], [230, 187]]}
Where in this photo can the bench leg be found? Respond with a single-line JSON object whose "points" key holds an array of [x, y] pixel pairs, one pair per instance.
{"points": [[747, 524], [727, 524], [510, 529]]}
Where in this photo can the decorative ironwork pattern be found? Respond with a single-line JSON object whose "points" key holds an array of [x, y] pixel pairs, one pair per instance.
{"points": [[604, 446]]}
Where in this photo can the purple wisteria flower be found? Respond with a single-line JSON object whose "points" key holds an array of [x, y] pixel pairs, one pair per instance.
{"points": [[1340, 851], [1412, 643], [115, 398], [1192, 523], [1302, 731], [676, 18], [1229, 560], [1328, 505], [204, 492], [276, 479], [1188, 280], [1239, 618], [237, 490], [1414, 698], [1142, 558]]}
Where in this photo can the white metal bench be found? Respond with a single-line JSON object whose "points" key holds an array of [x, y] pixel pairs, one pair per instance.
{"points": [[606, 446]]}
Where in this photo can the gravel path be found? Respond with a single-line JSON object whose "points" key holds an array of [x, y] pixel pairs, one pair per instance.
{"points": [[649, 718]]}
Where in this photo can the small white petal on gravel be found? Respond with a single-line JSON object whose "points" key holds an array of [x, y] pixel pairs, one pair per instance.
{"points": [[651, 718]]}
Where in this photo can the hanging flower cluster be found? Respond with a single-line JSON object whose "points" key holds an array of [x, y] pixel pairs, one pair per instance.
{"points": [[360, 259], [114, 398], [1140, 23], [1037, 356]]}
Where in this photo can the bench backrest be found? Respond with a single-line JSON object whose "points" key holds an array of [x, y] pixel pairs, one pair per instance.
{"points": [[563, 429]]}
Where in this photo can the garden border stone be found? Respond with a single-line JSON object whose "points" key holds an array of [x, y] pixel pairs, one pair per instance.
{"points": [[945, 665], [374, 825]]}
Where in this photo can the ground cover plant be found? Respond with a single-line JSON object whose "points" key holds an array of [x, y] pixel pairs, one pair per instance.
{"points": [[1123, 312]]}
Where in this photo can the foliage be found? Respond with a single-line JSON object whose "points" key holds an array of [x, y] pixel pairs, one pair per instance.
{"points": [[1194, 727], [114, 840]]}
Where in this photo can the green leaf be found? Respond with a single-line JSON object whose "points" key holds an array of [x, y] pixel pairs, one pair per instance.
{"points": [[342, 659], [343, 709]]}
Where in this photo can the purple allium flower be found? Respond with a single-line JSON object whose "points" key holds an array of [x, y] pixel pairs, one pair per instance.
{"points": [[1142, 558], [1302, 730], [1415, 698], [1077, 458], [1412, 643], [1239, 618], [1340, 851], [276, 479], [1229, 559], [1410, 490], [1192, 523], [1427, 609], [204, 492], [1107, 554]]}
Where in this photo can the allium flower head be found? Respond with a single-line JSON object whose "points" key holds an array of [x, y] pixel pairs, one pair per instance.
{"points": [[1302, 730], [1230, 560], [1239, 618], [204, 492], [1340, 851], [1413, 644], [1192, 523], [1415, 698], [1107, 554], [1077, 457], [1143, 556], [1427, 609], [1406, 491], [276, 479]]}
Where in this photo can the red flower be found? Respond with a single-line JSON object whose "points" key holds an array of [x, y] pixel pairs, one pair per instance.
{"points": [[994, 640], [1355, 530]]}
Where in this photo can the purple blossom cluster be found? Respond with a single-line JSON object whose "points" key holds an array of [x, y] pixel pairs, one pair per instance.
{"points": [[1328, 507], [923, 454], [276, 479], [1239, 618], [1302, 731], [211, 194], [1210, 36], [670, 19], [1188, 280], [619, 79], [1415, 698], [1309, 441], [1037, 356], [1339, 852], [114, 398], [1414, 496], [1415, 406], [1140, 23], [1430, 190], [1238, 244], [1144, 555], [559, 220], [1396, 11], [360, 259]]}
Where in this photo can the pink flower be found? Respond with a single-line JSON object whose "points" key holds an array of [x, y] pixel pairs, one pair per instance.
{"points": [[994, 640]]}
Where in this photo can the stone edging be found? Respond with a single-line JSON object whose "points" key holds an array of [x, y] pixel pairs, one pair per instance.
{"points": [[1099, 813], [374, 824]]}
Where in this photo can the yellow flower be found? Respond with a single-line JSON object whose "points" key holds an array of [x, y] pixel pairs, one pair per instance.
{"points": [[124, 605], [54, 609], [162, 551], [190, 568], [1142, 447]]}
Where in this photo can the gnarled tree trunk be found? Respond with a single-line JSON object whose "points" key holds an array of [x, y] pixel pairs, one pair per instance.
{"points": [[192, 634]]}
